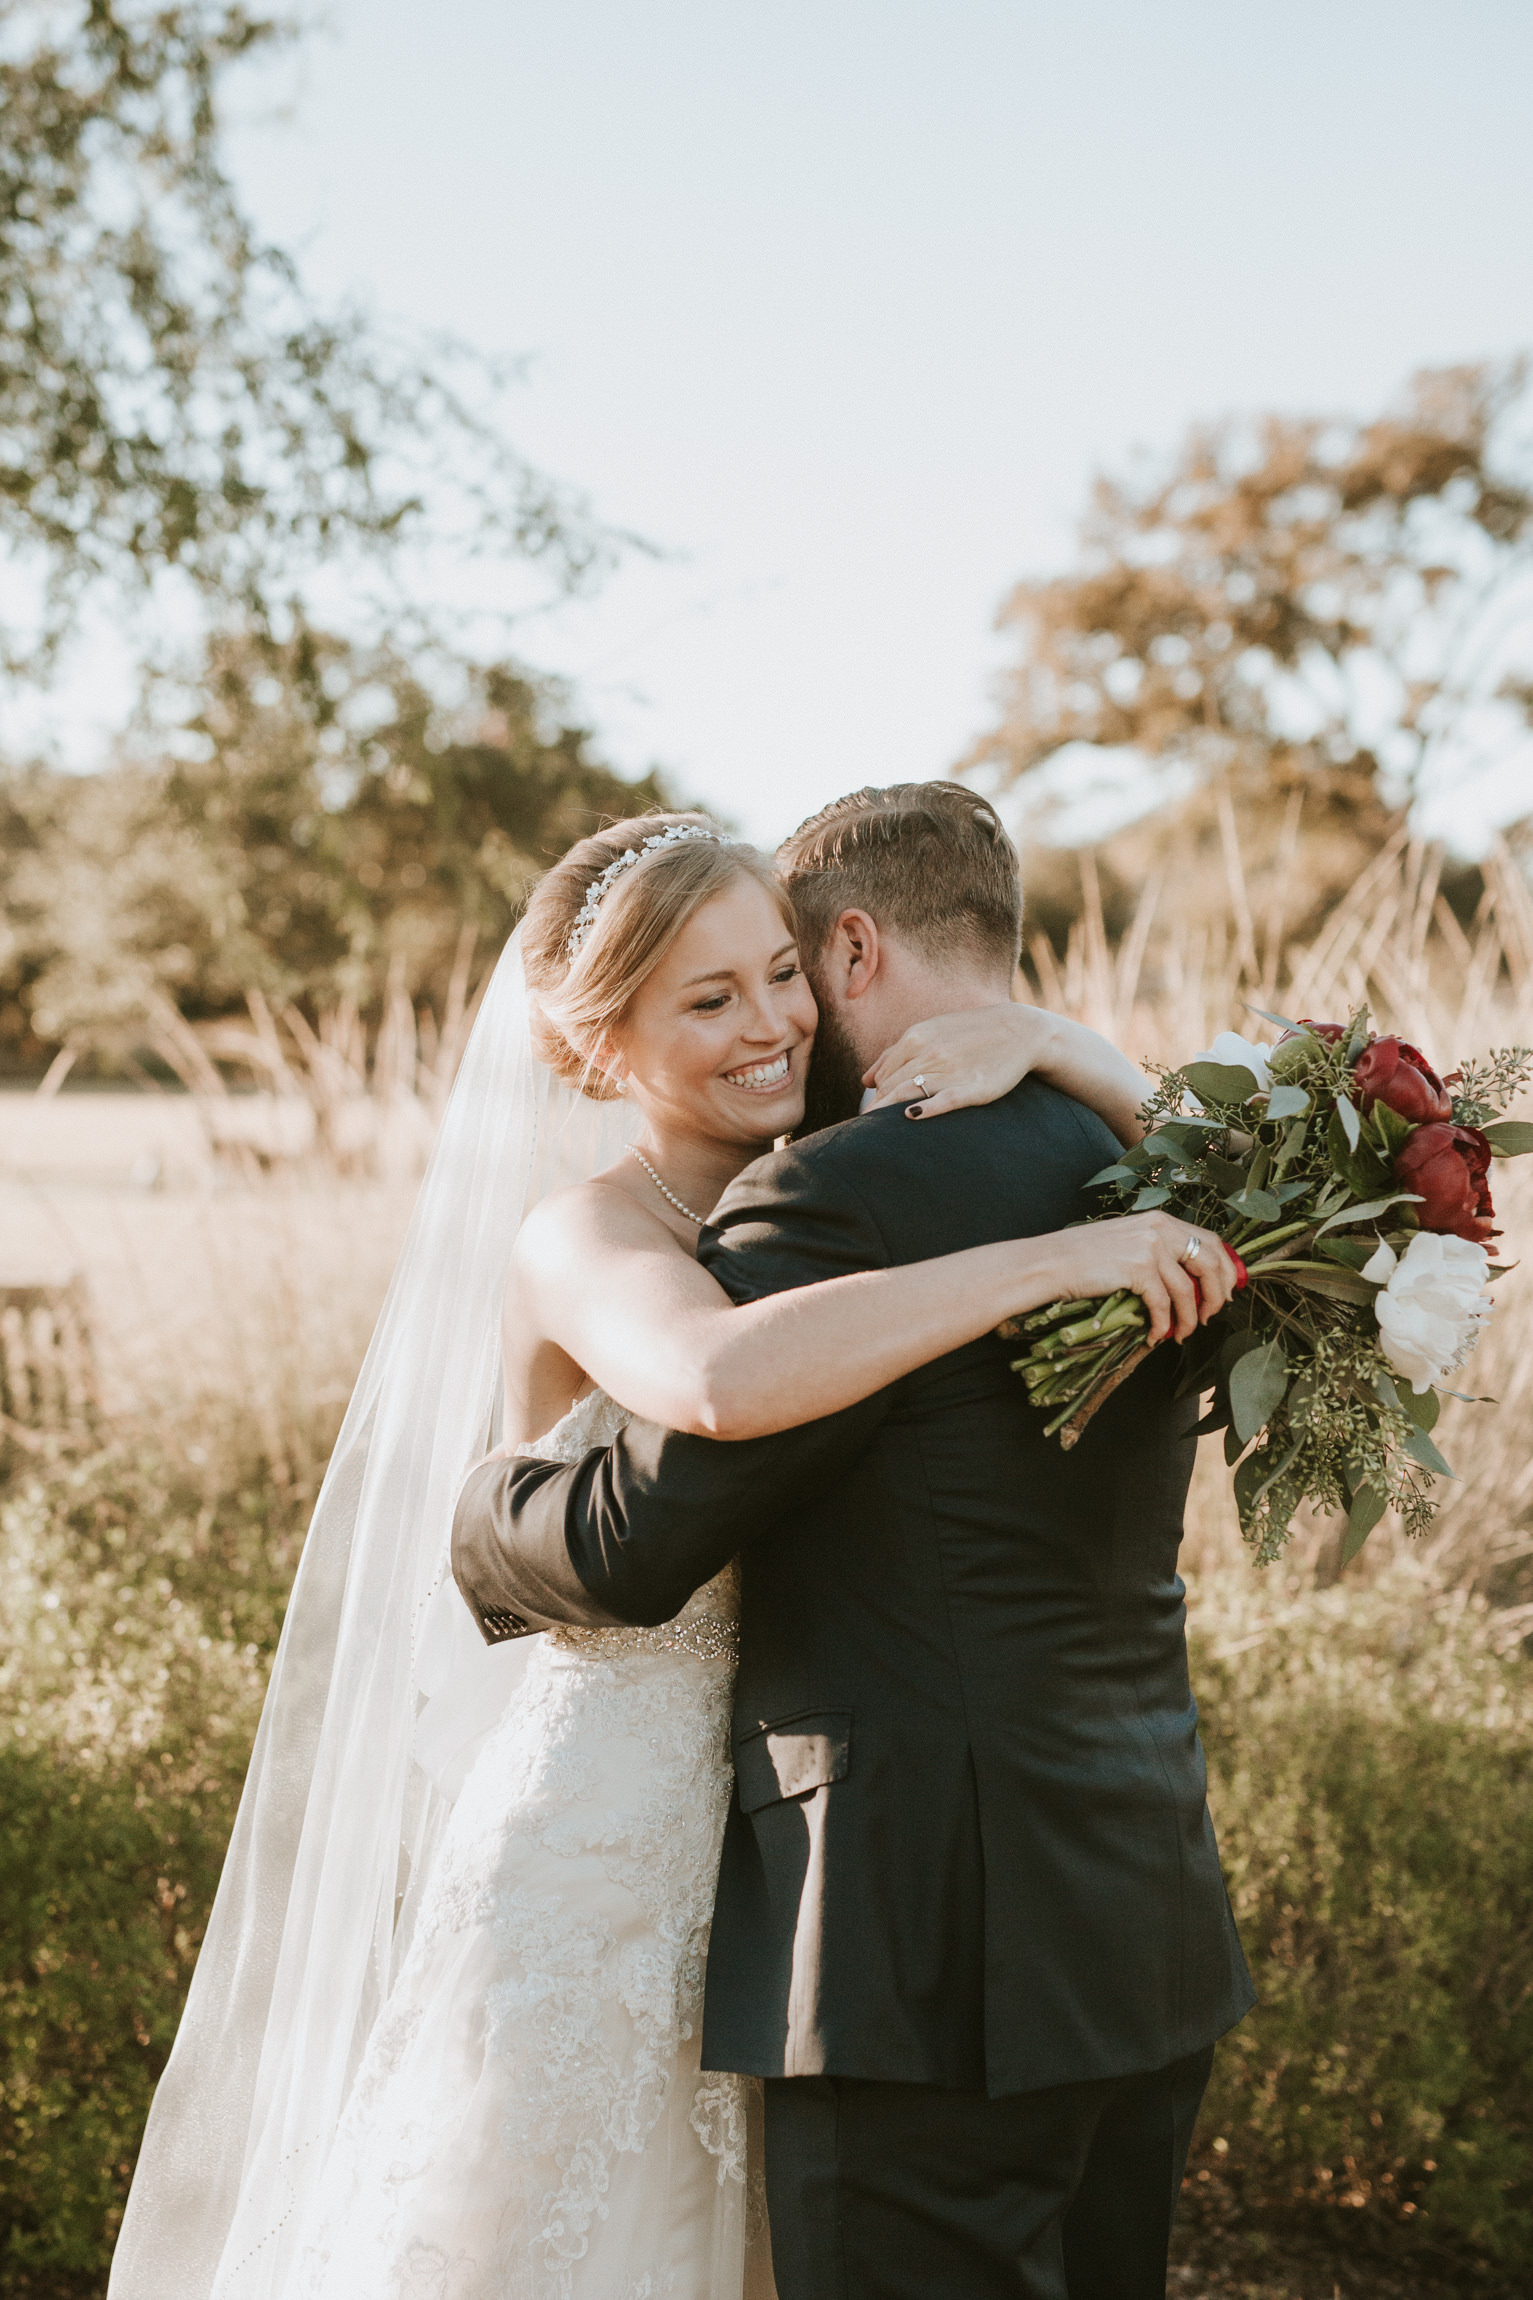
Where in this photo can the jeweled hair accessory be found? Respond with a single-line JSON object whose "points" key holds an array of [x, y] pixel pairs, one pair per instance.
{"points": [[597, 891]]}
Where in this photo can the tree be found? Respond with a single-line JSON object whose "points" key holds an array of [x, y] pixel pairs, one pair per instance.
{"points": [[170, 400], [325, 855], [1305, 611]]}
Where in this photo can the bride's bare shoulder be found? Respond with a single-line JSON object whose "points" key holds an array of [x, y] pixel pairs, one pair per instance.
{"points": [[594, 1218]]}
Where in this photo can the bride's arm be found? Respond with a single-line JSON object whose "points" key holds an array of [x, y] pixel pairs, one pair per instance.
{"points": [[608, 1283], [984, 1052]]}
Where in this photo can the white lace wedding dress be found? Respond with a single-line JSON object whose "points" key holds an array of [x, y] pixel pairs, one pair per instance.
{"points": [[530, 2120]]}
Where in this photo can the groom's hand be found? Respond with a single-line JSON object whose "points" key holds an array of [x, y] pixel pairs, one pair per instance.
{"points": [[1148, 1255]]}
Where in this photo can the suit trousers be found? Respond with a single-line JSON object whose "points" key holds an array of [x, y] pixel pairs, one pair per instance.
{"points": [[912, 2192]]}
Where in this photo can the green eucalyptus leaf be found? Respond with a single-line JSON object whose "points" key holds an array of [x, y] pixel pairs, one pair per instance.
{"points": [[1368, 1506], [1351, 1124], [1422, 1407], [1362, 1171], [1286, 1192], [1221, 1081], [1258, 1385], [1155, 1195], [1273, 1474], [1247, 1483], [1162, 1145], [1420, 1448], [1287, 1102], [1389, 1129], [1293, 1142], [1368, 1212], [1335, 1285], [1509, 1138], [1256, 1205], [1110, 1174], [1226, 1176], [1281, 1020], [1353, 1252], [1234, 1347]]}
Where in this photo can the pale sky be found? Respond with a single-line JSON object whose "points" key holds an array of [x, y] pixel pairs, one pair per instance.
{"points": [[842, 301]]}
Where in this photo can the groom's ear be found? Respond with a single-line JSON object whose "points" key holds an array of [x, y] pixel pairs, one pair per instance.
{"points": [[857, 952]]}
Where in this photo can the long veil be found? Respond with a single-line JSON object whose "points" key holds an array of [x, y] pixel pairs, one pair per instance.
{"points": [[378, 1693]]}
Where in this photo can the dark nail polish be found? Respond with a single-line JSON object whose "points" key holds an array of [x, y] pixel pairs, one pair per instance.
{"points": [[914, 1109]]}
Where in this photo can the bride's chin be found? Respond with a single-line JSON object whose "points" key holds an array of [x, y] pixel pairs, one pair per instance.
{"points": [[780, 1118]]}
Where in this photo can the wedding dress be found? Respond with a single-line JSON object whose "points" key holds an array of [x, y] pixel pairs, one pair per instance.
{"points": [[530, 2120]]}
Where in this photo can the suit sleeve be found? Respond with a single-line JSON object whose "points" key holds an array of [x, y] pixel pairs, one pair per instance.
{"points": [[627, 1534]]}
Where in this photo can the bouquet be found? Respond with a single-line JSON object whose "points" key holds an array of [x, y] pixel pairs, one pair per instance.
{"points": [[1351, 1184]]}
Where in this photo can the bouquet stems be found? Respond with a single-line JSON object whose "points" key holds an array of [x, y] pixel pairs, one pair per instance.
{"points": [[1081, 1351]]}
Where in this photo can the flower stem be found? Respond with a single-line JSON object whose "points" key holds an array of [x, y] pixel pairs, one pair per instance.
{"points": [[1271, 1238]]}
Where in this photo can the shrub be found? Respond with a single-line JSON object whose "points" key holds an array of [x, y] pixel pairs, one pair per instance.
{"points": [[1371, 1759], [142, 1599]]}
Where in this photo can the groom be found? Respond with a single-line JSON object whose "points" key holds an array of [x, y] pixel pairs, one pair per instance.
{"points": [[970, 1922]]}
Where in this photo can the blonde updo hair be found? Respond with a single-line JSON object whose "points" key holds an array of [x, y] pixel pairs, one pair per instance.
{"points": [[578, 1004]]}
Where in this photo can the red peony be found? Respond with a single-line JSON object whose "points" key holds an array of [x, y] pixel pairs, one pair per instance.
{"points": [[1332, 1032], [1448, 1167], [1400, 1077]]}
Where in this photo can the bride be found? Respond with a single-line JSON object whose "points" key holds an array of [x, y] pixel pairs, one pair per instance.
{"points": [[442, 2041]]}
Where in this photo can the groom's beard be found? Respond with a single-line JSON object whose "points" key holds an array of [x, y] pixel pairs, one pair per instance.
{"points": [[834, 1089]]}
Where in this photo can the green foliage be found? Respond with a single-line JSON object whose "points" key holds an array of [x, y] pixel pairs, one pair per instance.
{"points": [[141, 1601], [169, 397], [323, 830], [1231, 608], [1371, 1773]]}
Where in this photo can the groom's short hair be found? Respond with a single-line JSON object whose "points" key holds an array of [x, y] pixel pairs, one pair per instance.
{"points": [[929, 861]]}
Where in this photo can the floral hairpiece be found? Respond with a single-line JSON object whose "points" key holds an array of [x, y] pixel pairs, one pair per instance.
{"points": [[596, 892]]}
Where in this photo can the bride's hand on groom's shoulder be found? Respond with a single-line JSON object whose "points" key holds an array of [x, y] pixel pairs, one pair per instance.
{"points": [[1147, 1255], [953, 1061]]}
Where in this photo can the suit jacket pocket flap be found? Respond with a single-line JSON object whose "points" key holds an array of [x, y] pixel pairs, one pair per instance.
{"points": [[792, 1757]]}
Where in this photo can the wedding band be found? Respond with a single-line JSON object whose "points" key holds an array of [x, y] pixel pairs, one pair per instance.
{"points": [[1190, 1251], [926, 1092]]}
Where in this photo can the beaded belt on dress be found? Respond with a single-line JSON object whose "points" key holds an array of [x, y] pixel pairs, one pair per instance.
{"points": [[706, 1637]]}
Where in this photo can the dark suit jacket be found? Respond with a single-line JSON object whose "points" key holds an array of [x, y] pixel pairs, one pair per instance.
{"points": [[969, 1843]]}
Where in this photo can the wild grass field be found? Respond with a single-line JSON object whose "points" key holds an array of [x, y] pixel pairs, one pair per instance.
{"points": [[1370, 1733]]}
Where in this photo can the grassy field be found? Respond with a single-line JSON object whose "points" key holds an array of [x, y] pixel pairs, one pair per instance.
{"points": [[1370, 1737]]}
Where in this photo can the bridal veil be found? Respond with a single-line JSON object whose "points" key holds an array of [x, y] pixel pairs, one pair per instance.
{"points": [[380, 1693]]}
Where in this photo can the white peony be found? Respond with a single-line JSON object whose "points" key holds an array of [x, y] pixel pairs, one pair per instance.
{"points": [[1433, 1305], [1240, 1054]]}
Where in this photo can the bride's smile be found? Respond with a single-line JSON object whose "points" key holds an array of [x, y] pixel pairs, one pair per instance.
{"points": [[761, 1077]]}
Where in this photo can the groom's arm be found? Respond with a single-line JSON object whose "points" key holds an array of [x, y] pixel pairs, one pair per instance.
{"points": [[626, 1535]]}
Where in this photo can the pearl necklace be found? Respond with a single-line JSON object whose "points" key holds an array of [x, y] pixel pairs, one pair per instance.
{"points": [[699, 1219]]}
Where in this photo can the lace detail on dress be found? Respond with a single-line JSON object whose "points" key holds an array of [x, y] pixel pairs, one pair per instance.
{"points": [[530, 2121]]}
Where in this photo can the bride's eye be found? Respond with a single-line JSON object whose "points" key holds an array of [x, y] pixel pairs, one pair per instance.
{"points": [[787, 973], [710, 1005]]}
